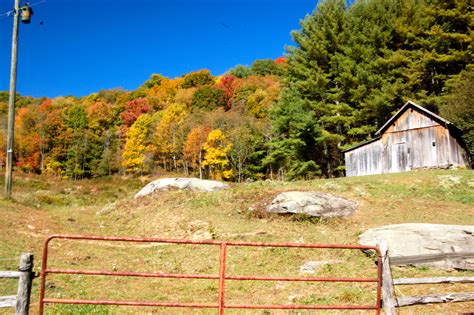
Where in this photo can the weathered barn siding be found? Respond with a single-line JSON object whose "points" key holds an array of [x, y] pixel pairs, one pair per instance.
{"points": [[365, 160], [459, 156], [416, 148], [413, 138]]}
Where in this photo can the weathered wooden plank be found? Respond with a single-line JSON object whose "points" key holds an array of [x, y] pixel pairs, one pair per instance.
{"points": [[416, 259], [7, 301], [435, 280], [387, 283], [24, 284], [435, 298], [10, 274]]}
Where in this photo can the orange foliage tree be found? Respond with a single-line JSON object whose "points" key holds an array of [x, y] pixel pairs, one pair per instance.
{"points": [[194, 147]]}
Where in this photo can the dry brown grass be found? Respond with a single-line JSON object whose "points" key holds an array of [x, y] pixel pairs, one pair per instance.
{"points": [[105, 207]]}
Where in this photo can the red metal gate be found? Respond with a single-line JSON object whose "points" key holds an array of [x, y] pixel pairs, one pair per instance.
{"points": [[221, 277]]}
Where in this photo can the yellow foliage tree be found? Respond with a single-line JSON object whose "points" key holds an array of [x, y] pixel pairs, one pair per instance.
{"points": [[217, 148], [170, 133], [137, 148], [165, 92]]}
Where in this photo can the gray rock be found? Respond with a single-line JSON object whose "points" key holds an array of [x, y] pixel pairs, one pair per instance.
{"points": [[181, 183], [435, 245], [312, 203]]}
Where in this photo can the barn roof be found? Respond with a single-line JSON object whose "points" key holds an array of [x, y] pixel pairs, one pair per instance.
{"points": [[405, 107], [361, 144]]}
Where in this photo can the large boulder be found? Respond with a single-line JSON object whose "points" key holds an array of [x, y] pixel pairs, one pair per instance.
{"points": [[181, 183], [312, 203], [435, 245]]}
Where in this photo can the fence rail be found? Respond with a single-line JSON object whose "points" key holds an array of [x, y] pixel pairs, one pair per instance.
{"points": [[25, 276], [220, 305], [10, 274], [390, 302]]}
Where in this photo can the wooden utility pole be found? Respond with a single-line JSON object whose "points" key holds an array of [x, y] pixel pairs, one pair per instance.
{"points": [[11, 103]]}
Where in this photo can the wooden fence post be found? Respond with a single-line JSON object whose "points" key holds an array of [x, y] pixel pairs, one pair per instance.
{"points": [[387, 281], [24, 284]]}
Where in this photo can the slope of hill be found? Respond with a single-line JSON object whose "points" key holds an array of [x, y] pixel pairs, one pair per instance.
{"points": [[44, 206]]}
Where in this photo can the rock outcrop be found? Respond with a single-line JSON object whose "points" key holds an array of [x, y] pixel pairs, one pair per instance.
{"points": [[436, 245], [312, 203], [181, 183]]}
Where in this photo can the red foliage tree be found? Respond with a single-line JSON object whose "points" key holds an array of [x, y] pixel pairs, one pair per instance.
{"points": [[280, 60], [133, 109], [228, 84]]}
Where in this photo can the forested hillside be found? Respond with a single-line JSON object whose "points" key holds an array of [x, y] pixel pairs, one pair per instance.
{"points": [[351, 68]]}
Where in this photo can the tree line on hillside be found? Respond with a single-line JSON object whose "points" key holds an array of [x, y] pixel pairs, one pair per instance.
{"points": [[351, 69], [198, 124]]}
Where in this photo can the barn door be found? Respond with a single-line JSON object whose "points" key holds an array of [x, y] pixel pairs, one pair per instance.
{"points": [[400, 157]]}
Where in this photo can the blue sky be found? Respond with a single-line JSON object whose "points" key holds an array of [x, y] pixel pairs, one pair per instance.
{"points": [[77, 47]]}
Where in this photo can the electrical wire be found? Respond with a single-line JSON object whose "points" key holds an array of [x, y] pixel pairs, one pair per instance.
{"points": [[10, 13]]}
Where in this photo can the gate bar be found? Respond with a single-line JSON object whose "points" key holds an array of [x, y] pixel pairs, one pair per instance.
{"points": [[222, 267], [202, 276]]}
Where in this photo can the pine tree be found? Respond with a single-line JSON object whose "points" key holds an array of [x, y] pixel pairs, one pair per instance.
{"points": [[458, 106], [307, 117]]}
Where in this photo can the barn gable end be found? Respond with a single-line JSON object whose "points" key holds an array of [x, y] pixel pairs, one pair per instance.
{"points": [[413, 138]]}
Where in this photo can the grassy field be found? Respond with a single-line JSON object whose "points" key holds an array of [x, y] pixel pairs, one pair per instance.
{"points": [[44, 206]]}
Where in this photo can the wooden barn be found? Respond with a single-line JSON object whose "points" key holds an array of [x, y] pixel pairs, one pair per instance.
{"points": [[413, 138]]}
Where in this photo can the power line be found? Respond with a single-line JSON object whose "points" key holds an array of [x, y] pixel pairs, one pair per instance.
{"points": [[10, 13]]}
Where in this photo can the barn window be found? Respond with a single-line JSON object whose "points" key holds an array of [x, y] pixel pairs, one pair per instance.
{"points": [[433, 143]]}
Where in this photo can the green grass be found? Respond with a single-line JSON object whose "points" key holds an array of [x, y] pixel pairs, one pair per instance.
{"points": [[44, 206]]}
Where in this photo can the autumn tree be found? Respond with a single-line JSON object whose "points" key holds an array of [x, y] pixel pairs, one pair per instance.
{"points": [[77, 141], [245, 143], [197, 79], [53, 136], [170, 135], [267, 67], [27, 140], [163, 94], [228, 84], [240, 71], [217, 149], [209, 98], [193, 149], [154, 80], [136, 156], [133, 109]]}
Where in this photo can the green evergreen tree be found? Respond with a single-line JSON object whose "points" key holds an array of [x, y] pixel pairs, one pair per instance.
{"points": [[296, 147], [435, 41], [458, 106], [308, 116]]}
